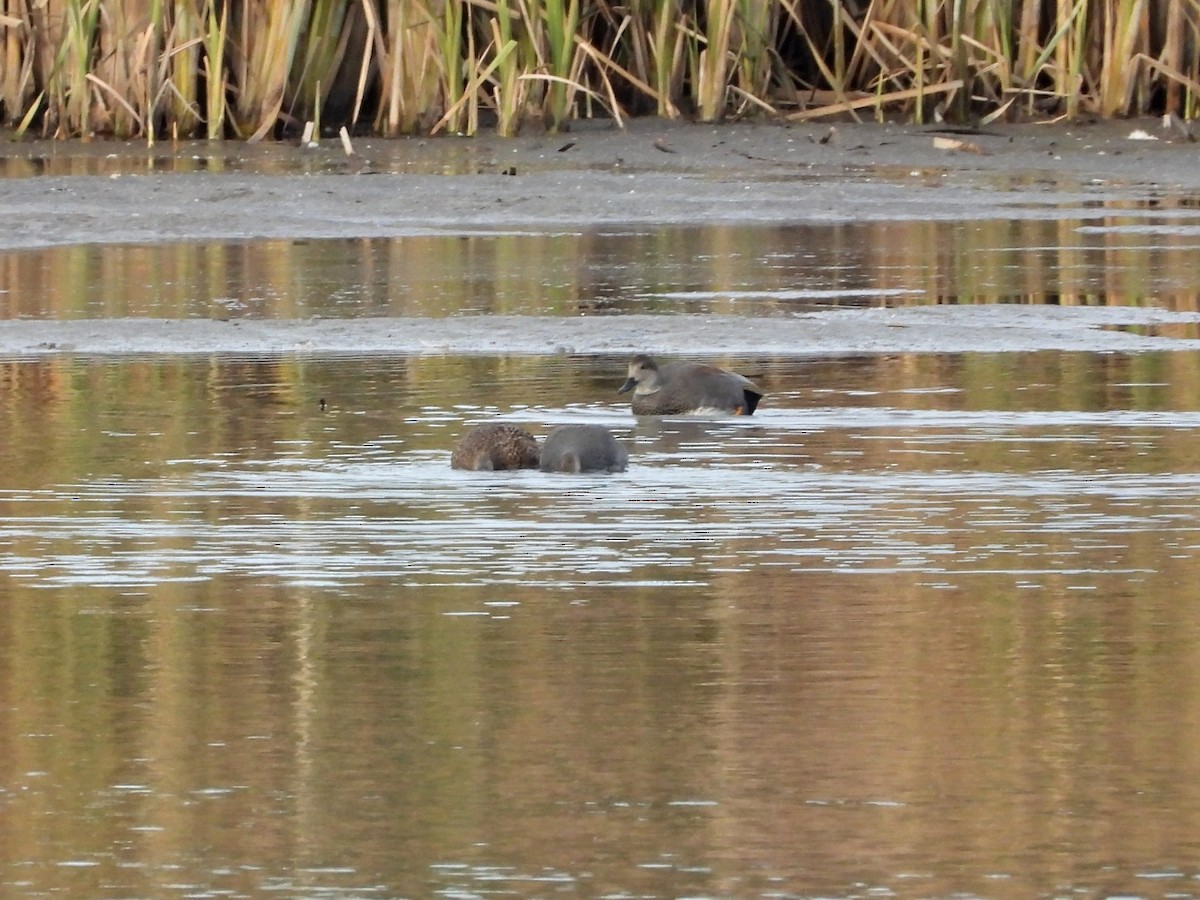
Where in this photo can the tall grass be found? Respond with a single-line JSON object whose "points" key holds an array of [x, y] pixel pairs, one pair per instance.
{"points": [[263, 68]]}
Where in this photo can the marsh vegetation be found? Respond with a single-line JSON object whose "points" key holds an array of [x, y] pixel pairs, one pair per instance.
{"points": [[266, 68]]}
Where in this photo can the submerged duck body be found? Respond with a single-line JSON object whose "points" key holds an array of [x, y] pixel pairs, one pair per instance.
{"points": [[582, 448], [685, 388], [495, 448]]}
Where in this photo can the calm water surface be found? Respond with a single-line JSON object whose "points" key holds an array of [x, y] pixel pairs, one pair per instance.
{"points": [[926, 626], [1152, 259]]}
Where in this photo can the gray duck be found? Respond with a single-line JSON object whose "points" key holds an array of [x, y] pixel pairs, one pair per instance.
{"points": [[582, 448], [686, 388]]}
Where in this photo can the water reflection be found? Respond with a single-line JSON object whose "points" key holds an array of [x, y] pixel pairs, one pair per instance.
{"points": [[926, 626], [718, 269]]}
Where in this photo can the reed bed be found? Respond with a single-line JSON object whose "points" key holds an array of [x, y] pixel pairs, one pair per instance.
{"points": [[260, 69]]}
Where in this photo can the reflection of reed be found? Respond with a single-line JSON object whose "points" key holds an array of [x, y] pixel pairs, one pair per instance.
{"points": [[1109, 261], [748, 728]]}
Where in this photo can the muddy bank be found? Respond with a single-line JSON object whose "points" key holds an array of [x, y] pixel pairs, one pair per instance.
{"points": [[919, 330], [655, 174], [652, 174]]}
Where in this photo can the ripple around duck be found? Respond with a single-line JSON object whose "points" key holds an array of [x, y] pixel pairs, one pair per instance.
{"points": [[700, 499]]}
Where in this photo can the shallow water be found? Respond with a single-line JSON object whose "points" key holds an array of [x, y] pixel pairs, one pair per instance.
{"points": [[925, 626], [716, 269]]}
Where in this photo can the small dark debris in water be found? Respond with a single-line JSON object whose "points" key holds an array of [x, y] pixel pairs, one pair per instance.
{"points": [[746, 155], [567, 146], [661, 144], [596, 305], [961, 130], [511, 170]]}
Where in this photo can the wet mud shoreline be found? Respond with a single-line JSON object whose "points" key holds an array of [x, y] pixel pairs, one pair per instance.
{"points": [[938, 329], [652, 175]]}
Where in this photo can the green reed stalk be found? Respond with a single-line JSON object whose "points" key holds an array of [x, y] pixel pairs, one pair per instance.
{"points": [[180, 69], [755, 21], [269, 34], [509, 89], [68, 93], [215, 42], [125, 67], [713, 61], [318, 58], [482, 75], [667, 52], [561, 20], [1072, 56], [452, 63]]}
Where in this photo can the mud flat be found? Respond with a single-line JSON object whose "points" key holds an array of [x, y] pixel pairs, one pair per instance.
{"points": [[917, 330], [652, 174]]}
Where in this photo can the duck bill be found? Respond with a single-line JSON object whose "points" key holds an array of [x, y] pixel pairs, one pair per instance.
{"points": [[628, 386]]}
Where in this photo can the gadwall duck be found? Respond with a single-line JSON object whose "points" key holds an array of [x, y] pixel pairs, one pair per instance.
{"points": [[688, 388], [582, 448], [489, 448]]}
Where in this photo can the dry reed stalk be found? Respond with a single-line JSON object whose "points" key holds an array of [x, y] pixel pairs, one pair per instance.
{"points": [[656, 30], [508, 91], [838, 73], [122, 69], [130, 66], [1070, 52], [876, 100], [604, 62], [66, 58], [1029, 17], [1173, 30], [411, 69], [180, 69], [16, 62], [269, 34], [1123, 36], [1188, 83], [712, 62]]}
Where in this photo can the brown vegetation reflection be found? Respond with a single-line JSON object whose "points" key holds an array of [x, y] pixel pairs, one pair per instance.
{"points": [[1106, 261], [758, 729]]}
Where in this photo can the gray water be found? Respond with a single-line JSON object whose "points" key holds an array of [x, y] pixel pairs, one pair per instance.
{"points": [[924, 626]]}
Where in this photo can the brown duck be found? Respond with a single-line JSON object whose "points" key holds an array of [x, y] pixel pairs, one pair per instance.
{"points": [[685, 388], [493, 448]]}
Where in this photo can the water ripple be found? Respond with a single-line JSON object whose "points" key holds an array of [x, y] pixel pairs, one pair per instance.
{"points": [[412, 520]]}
